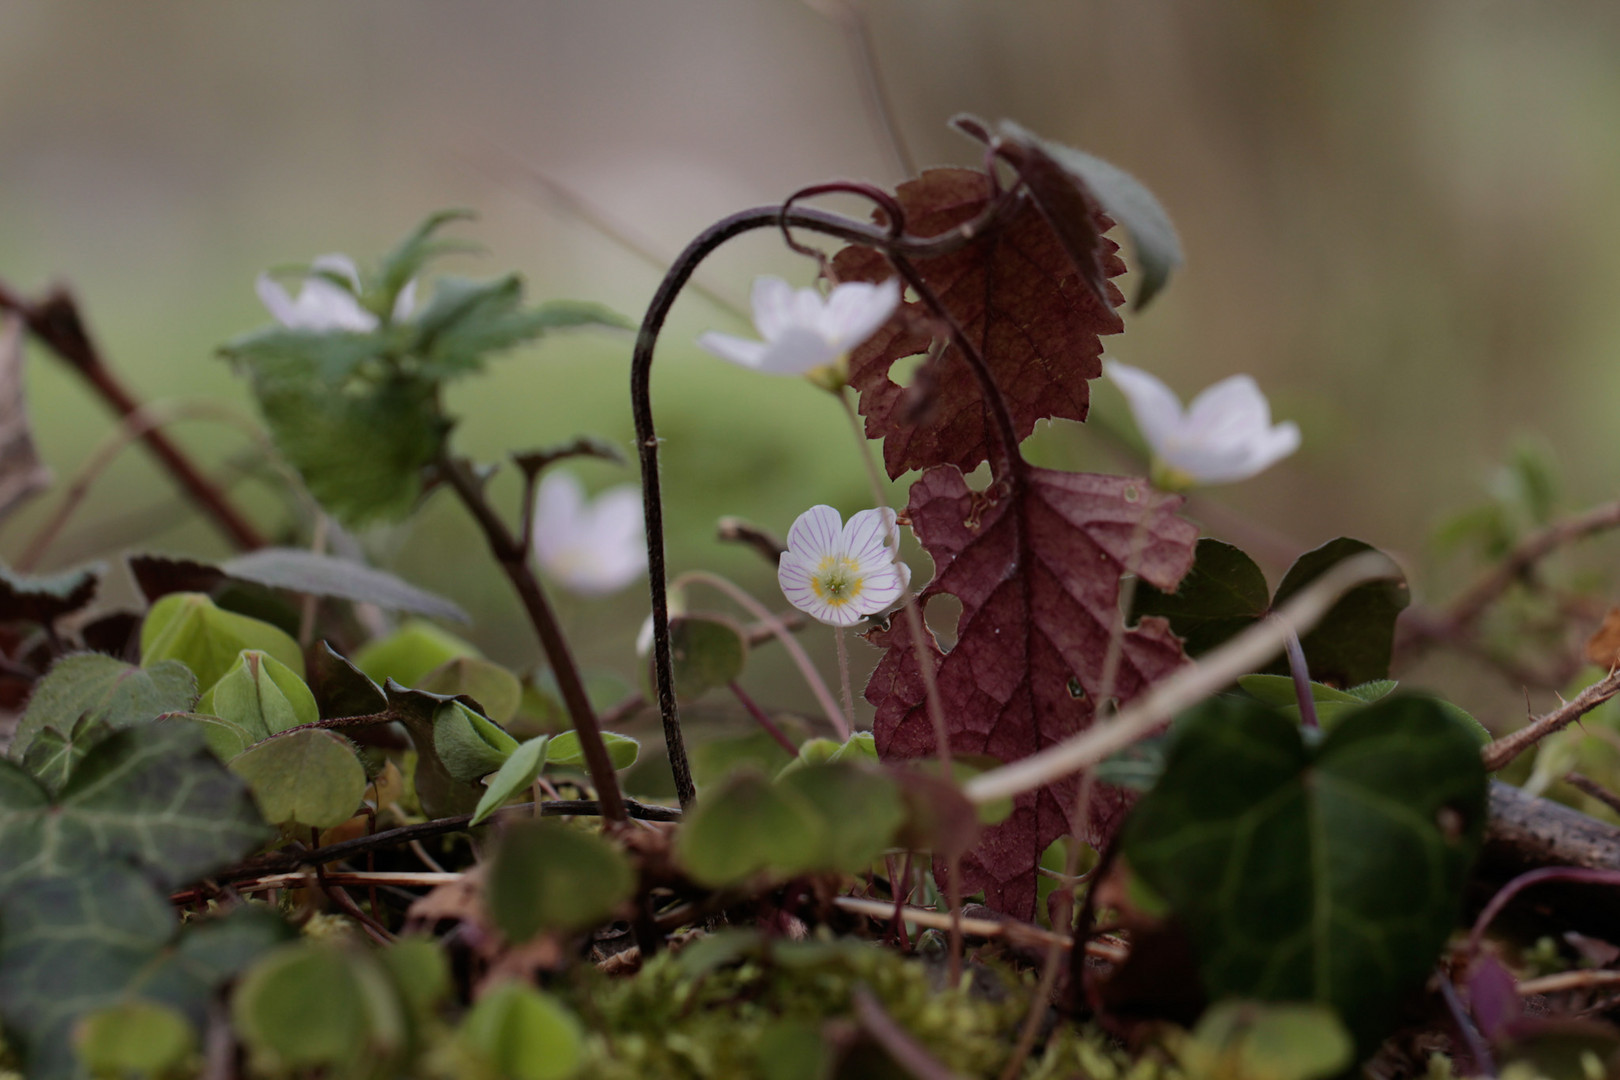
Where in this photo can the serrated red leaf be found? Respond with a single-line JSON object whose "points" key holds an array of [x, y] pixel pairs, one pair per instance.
{"points": [[1036, 564], [1019, 299]]}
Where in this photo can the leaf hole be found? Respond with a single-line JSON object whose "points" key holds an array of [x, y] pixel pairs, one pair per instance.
{"points": [[1133, 493], [1076, 691]]}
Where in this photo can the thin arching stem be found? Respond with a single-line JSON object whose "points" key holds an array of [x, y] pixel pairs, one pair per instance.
{"points": [[652, 325]]}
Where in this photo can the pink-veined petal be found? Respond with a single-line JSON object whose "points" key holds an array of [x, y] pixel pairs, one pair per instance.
{"points": [[740, 351], [1154, 405], [863, 537], [815, 534]]}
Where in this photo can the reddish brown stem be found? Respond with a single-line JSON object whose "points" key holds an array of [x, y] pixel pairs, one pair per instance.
{"points": [[56, 323]]}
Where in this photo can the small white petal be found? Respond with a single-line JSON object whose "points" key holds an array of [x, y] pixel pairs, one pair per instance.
{"points": [[772, 300], [855, 311], [797, 351], [1154, 405], [741, 351], [342, 266], [1231, 408], [277, 302], [405, 302]]}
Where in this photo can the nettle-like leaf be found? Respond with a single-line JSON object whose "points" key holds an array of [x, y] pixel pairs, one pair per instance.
{"points": [[99, 689], [153, 796], [1225, 593], [467, 320], [1036, 565], [1331, 872], [1018, 297]]}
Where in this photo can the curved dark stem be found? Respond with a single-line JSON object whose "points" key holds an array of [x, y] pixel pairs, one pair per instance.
{"points": [[887, 203], [652, 324], [514, 560]]}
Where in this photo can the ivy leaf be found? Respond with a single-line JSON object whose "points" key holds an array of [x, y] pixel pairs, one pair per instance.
{"points": [[1065, 183], [310, 778], [309, 572], [52, 756], [467, 320], [43, 600], [1225, 593], [1332, 873], [1037, 571], [100, 689], [1017, 296]]}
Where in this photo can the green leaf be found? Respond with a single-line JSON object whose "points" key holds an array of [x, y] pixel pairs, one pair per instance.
{"points": [[310, 778], [1352, 643], [860, 809], [1220, 597], [361, 453], [749, 826], [105, 690], [311, 1004], [341, 688], [411, 652], [467, 320], [261, 696], [303, 571], [421, 973], [133, 1037], [190, 628], [1332, 873], [447, 787], [470, 745], [496, 690], [153, 796], [330, 358], [1044, 164], [861, 746], [1332, 704], [1267, 1042], [224, 738], [52, 756], [565, 750], [521, 1033], [516, 774], [548, 876], [708, 653], [43, 600], [413, 253]]}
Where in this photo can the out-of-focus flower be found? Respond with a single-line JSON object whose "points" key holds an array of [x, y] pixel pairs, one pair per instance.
{"points": [[595, 546], [803, 331], [323, 304], [1226, 433], [842, 573]]}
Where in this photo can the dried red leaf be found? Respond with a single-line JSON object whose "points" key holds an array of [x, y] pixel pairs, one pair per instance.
{"points": [[1019, 299], [1036, 563]]}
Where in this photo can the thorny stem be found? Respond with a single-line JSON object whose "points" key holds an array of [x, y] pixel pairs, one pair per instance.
{"points": [[801, 659], [1508, 747], [641, 404], [56, 323], [514, 561]]}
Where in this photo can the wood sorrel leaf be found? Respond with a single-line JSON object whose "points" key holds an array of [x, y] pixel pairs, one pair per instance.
{"points": [[1331, 873], [313, 1003], [1037, 568], [102, 689], [515, 774], [861, 810], [747, 826], [190, 628], [548, 876], [516, 1031], [497, 691], [708, 653], [565, 749], [1018, 298], [310, 778], [411, 652], [261, 695]]}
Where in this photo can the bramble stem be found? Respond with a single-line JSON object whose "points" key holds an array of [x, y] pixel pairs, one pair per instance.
{"points": [[56, 323], [1503, 750], [514, 561]]}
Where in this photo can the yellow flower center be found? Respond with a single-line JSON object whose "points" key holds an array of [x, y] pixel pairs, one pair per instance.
{"points": [[837, 581]]}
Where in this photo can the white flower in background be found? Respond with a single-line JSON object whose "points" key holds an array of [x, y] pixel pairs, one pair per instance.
{"points": [[803, 331], [1226, 433], [323, 304], [595, 546], [842, 573]]}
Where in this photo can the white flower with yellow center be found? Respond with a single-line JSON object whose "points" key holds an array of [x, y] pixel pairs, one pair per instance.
{"points": [[803, 331], [1226, 434], [842, 573]]}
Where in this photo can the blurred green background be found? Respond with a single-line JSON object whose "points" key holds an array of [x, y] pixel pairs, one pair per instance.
{"points": [[1402, 218]]}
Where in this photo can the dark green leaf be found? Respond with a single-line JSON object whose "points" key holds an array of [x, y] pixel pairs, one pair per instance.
{"points": [[310, 778], [1332, 874], [330, 357], [340, 687], [1351, 644], [105, 690], [406, 261], [45, 599], [1120, 195], [467, 320], [1221, 596], [548, 876], [312, 573], [153, 796], [191, 628]]}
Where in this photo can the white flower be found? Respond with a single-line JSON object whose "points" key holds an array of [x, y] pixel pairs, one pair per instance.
{"points": [[842, 573], [1226, 433], [802, 331], [593, 547], [323, 304]]}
